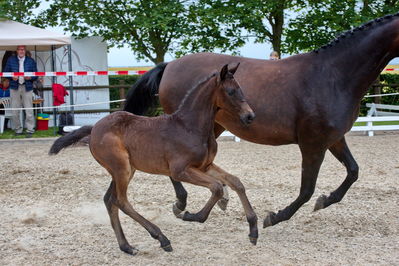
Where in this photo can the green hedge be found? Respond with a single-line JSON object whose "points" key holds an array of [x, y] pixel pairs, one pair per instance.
{"points": [[392, 100], [117, 80]]}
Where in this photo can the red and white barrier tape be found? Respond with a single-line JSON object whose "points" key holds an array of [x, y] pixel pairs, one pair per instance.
{"points": [[90, 73], [72, 73]]}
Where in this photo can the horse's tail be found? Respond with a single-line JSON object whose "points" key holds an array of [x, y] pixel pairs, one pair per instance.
{"points": [[142, 96], [69, 139]]}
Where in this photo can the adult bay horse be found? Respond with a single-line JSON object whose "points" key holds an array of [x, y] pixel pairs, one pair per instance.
{"points": [[310, 99], [182, 146]]}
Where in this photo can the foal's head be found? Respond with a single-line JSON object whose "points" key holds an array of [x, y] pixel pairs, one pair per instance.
{"points": [[230, 98]]}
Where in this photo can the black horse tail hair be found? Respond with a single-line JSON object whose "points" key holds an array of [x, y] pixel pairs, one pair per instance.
{"points": [[143, 95], [69, 139]]}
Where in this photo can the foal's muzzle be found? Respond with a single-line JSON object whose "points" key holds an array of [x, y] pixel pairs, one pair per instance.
{"points": [[247, 118]]}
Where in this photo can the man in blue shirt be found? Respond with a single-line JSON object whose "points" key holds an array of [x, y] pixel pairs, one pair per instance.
{"points": [[21, 90]]}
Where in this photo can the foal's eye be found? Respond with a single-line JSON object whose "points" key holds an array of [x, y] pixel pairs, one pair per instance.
{"points": [[231, 92]]}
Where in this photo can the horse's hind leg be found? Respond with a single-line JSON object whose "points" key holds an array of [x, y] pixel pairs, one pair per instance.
{"points": [[311, 162], [122, 181], [113, 212], [341, 151], [235, 184]]}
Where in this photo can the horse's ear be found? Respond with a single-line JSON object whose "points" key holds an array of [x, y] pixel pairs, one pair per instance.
{"points": [[223, 72], [234, 69]]}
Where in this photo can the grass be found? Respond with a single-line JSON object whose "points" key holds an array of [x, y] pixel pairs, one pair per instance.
{"points": [[9, 134], [378, 123]]}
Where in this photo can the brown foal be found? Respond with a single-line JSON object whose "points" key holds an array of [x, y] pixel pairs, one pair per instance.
{"points": [[181, 145]]}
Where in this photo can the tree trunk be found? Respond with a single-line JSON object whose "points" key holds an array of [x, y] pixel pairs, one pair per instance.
{"points": [[277, 23]]}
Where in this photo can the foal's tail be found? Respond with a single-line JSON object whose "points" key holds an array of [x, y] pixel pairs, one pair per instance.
{"points": [[69, 139], [142, 96]]}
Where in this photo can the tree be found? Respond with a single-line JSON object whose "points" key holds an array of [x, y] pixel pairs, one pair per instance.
{"points": [[150, 28], [18, 10], [262, 19], [320, 21]]}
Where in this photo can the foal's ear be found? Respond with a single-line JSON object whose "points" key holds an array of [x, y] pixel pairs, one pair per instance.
{"points": [[234, 69], [223, 72]]}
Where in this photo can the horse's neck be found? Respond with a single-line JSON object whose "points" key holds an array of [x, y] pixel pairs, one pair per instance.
{"points": [[358, 65], [197, 111]]}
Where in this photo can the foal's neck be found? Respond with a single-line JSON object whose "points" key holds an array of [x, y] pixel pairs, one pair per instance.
{"points": [[198, 109], [360, 56]]}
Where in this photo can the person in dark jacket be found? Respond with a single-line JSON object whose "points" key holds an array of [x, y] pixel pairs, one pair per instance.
{"points": [[21, 90]]}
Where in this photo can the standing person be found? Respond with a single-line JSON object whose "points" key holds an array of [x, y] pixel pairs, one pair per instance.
{"points": [[274, 56], [21, 90]]}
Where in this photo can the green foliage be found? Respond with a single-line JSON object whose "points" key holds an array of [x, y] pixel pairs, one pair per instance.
{"points": [[150, 28], [18, 10], [387, 79], [318, 22], [114, 93]]}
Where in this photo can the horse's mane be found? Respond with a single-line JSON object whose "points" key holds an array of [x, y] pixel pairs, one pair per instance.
{"points": [[193, 89], [366, 26]]}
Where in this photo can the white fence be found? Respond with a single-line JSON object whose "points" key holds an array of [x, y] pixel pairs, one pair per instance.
{"points": [[375, 114]]}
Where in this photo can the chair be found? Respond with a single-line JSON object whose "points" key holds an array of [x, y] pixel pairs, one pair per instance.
{"points": [[6, 102]]}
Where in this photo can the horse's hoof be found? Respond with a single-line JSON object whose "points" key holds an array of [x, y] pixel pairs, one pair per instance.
{"points": [[176, 210], [253, 240], [269, 220], [320, 203], [222, 203], [168, 248], [129, 249]]}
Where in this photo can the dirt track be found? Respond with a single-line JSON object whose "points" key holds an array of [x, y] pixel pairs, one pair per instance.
{"points": [[51, 210]]}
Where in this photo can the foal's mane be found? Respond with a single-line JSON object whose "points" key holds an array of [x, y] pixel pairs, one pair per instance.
{"points": [[353, 32], [196, 87]]}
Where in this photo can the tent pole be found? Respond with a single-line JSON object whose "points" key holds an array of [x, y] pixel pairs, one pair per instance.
{"points": [[54, 80], [71, 83]]}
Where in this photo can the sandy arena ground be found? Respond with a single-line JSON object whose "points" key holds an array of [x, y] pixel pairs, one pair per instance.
{"points": [[52, 213]]}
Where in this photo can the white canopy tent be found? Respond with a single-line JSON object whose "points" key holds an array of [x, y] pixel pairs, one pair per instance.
{"points": [[35, 39], [14, 33]]}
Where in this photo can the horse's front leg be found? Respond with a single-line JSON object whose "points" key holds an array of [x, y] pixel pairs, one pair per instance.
{"points": [[196, 177], [341, 151], [311, 162]]}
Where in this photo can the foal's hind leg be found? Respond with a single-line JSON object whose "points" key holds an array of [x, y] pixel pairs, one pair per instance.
{"points": [[196, 177], [341, 151], [113, 212], [181, 194], [311, 162], [122, 181], [235, 184]]}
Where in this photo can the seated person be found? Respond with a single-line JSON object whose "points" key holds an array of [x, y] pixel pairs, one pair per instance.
{"points": [[4, 92]]}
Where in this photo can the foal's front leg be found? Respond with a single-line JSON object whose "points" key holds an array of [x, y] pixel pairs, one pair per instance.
{"points": [[196, 177], [236, 185]]}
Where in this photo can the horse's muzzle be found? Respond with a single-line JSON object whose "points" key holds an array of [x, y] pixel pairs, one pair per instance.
{"points": [[247, 118]]}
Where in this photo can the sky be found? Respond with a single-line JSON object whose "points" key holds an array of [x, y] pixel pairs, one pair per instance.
{"points": [[125, 57]]}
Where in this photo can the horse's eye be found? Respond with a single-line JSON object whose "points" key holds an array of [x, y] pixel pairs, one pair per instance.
{"points": [[231, 92]]}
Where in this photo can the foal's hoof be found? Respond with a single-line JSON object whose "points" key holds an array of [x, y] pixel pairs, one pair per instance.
{"points": [[181, 215], [222, 203], [168, 248], [320, 203], [270, 219], [129, 249], [253, 240], [176, 210]]}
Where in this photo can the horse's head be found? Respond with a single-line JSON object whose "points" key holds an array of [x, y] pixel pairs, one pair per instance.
{"points": [[230, 97]]}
